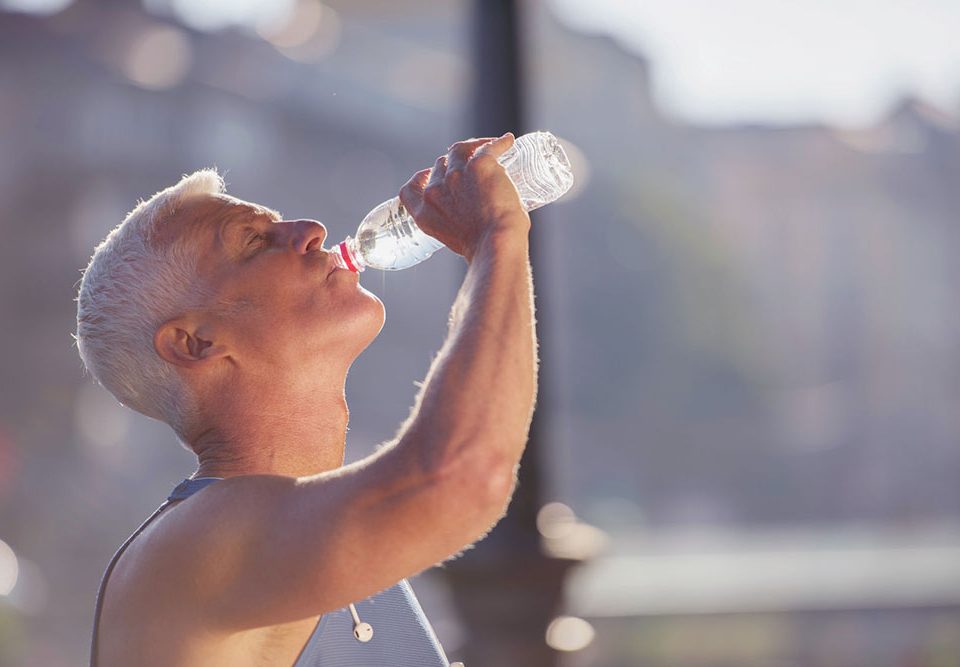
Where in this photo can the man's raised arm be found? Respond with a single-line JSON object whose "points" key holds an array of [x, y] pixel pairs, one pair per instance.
{"points": [[477, 401]]}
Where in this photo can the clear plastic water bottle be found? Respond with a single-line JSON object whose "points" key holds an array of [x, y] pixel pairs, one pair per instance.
{"points": [[389, 239]]}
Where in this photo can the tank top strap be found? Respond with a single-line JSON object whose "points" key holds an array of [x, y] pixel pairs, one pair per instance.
{"points": [[188, 487]]}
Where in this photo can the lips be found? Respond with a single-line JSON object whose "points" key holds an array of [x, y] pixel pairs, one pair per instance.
{"points": [[336, 263]]}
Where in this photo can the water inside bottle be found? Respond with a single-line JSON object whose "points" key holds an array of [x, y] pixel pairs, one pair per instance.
{"points": [[389, 238]]}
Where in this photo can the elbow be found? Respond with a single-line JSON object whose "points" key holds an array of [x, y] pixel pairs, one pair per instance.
{"points": [[500, 484], [484, 482]]}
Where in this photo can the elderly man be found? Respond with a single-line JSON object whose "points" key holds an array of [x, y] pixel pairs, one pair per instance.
{"points": [[237, 328]]}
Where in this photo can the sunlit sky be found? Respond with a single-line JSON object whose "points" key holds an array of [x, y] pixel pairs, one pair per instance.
{"points": [[785, 61]]}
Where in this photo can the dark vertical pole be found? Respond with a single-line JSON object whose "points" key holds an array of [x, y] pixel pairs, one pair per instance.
{"points": [[498, 108], [497, 95], [506, 589]]}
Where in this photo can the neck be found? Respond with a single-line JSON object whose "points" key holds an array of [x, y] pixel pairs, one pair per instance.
{"points": [[287, 433]]}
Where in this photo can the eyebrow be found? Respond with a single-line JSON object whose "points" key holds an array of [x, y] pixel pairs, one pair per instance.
{"points": [[255, 210], [275, 216]]}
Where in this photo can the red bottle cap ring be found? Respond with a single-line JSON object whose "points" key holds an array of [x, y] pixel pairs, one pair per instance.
{"points": [[346, 257]]}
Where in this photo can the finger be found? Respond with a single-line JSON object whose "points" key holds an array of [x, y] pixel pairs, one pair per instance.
{"points": [[439, 169], [471, 140], [498, 146], [411, 194], [462, 151]]}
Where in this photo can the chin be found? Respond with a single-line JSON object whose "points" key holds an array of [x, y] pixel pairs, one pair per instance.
{"points": [[368, 323], [380, 318]]}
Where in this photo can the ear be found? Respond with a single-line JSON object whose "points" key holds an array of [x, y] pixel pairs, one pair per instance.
{"points": [[183, 342]]}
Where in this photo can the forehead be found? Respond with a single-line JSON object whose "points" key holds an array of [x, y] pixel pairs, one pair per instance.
{"points": [[203, 217]]}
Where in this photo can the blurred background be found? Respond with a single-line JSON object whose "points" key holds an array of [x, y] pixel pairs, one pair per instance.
{"points": [[747, 436]]}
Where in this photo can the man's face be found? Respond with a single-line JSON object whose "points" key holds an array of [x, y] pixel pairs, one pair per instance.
{"points": [[277, 297]]}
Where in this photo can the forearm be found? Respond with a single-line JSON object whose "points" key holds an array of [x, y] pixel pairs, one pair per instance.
{"points": [[477, 400]]}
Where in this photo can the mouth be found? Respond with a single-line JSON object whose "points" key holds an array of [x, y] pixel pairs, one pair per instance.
{"points": [[335, 266]]}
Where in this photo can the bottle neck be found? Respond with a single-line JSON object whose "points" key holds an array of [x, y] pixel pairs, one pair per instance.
{"points": [[347, 257]]}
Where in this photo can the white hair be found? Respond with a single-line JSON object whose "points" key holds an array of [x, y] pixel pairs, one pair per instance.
{"points": [[132, 285]]}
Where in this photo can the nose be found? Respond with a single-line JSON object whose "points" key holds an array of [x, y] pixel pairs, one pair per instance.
{"points": [[308, 235]]}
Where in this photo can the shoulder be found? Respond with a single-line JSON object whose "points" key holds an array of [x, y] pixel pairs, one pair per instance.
{"points": [[166, 550], [193, 542], [161, 598], [138, 596], [191, 530]]}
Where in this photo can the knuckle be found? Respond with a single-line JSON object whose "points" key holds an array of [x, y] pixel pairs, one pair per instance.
{"points": [[483, 163], [411, 189], [462, 148], [432, 193]]}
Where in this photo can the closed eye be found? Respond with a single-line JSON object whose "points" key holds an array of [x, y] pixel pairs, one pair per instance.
{"points": [[255, 238]]}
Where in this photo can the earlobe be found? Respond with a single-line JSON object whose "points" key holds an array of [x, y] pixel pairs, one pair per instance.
{"points": [[180, 343]]}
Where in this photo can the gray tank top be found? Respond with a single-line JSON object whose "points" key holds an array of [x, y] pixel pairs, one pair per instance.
{"points": [[402, 635]]}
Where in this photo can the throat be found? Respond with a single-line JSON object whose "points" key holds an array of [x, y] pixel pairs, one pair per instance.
{"points": [[288, 435]]}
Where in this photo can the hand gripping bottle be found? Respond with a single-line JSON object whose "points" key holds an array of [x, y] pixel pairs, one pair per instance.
{"points": [[389, 239]]}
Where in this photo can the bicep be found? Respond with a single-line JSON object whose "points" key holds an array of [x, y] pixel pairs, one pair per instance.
{"points": [[292, 548]]}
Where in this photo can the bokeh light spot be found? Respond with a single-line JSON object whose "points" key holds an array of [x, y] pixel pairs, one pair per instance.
{"points": [[307, 34], [31, 592], [564, 536], [212, 15], [554, 520], [42, 7], [9, 568], [569, 633], [159, 58], [580, 164]]}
